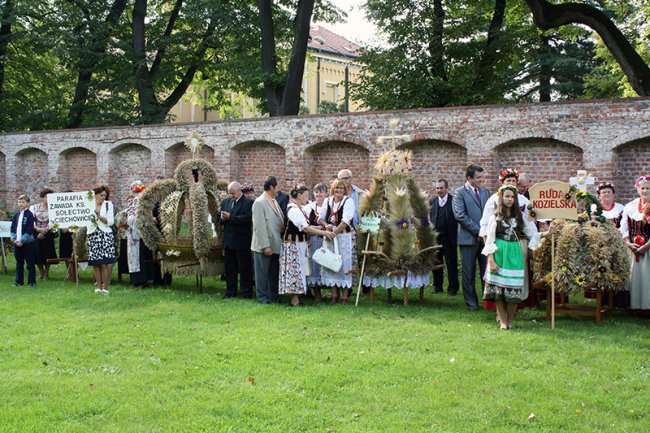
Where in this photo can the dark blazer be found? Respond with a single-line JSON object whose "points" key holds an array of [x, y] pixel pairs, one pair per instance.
{"points": [[451, 229], [27, 229], [282, 199], [468, 212], [238, 230]]}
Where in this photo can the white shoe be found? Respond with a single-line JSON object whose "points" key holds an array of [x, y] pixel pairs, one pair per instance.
{"points": [[98, 290], [104, 291]]}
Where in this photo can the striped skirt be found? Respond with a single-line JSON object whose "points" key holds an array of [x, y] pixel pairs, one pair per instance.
{"points": [[508, 282]]}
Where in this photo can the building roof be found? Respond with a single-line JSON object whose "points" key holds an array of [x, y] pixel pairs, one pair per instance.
{"points": [[324, 40]]}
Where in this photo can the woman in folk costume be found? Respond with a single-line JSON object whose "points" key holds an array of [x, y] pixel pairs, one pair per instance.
{"points": [[44, 236], [101, 241], [504, 276], [611, 210], [635, 228], [314, 209], [510, 176], [139, 258], [338, 216], [293, 255]]}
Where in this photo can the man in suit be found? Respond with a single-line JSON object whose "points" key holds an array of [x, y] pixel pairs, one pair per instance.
{"points": [[237, 221], [268, 225], [468, 204], [442, 218]]}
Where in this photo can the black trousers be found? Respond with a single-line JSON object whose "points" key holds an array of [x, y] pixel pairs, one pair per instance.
{"points": [[448, 252], [238, 262], [470, 254], [26, 253]]}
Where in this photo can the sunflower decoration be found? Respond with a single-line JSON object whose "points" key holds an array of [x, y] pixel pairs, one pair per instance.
{"points": [[193, 195]]}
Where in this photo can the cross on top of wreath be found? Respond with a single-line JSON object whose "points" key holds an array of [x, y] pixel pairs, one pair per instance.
{"points": [[582, 179], [393, 137]]}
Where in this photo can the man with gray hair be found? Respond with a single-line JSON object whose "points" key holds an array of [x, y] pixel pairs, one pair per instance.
{"points": [[523, 184], [345, 175], [237, 220]]}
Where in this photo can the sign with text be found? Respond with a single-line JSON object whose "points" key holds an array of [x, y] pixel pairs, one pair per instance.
{"points": [[370, 224], [5, 229], [549, 201], [68, 209]]}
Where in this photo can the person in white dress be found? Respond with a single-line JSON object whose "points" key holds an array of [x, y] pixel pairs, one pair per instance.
{"points": [[338, 216], [635, 229], [293, 255]]}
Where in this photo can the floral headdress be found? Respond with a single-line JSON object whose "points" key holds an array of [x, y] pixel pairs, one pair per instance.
{"points": [[605, 185], [641, 179], [137, 186], [507, 172], [502, 189], [247, 187]]}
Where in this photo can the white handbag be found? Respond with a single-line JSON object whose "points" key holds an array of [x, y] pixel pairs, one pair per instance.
{"points": [[327, 258]]}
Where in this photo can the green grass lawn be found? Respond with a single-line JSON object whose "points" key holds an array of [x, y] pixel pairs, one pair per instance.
{"points": [[177, 360]]}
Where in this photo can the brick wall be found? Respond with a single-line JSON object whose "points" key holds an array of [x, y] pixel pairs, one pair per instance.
{"points": [[541, 159], [631, 160], [128, 163], [326, 159], [608, 138], [432, 160], [254, 161], [32, 174], [77, 170], [3, 180]]}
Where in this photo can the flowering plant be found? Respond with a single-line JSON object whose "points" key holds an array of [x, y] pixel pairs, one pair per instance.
{"points": [[402, 224]]}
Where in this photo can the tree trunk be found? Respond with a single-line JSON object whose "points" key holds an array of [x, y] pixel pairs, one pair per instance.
{"points": [[291, 95], [549, 16], [5, 36], [545, 70], [485, 70], [283, 95], [87, 63], [436, 45], [269, 59]]}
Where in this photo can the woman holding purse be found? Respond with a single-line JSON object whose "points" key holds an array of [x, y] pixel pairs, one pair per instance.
{"points": [[293, 255], [338, 215]]}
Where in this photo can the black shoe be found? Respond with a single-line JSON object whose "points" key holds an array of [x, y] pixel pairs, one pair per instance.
{"points": [[437, 290], [17, 285], [453, 293], [31, 285]]}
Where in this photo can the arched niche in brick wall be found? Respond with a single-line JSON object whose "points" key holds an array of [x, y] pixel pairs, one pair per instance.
{"points": [[127, 162], [3, 181], [253, 161], [32, 172], [541, 158], [325, 159], [178, 153], [630, 160], [77, 169], [436, 159]]}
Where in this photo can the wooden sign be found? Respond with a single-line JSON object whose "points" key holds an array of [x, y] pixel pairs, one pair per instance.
{"points": [[71, 209], [549, 201]]}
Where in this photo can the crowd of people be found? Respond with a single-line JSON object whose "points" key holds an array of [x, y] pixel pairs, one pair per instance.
{"points": [[269, 240]]}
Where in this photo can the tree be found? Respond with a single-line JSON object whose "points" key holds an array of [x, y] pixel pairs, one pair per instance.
{"points": [[282, 85], [549, 16]]}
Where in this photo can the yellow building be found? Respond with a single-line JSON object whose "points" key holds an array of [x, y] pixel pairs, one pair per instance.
{"points": [[330, 58]]}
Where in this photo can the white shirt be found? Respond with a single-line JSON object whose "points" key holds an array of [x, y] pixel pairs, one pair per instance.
{"points": [[490, 242], [297, 217], [348, 210], [19, 226], [106, 212], [442, 201], [631, 210]]}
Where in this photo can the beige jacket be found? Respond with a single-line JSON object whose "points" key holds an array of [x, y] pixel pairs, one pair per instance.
{"points": [[267, 224]]}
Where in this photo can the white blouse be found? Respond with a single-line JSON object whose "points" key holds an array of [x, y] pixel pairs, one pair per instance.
{"points": [[348, 210], [297, 217], [630, 210], [490, 245], [106, 212]]}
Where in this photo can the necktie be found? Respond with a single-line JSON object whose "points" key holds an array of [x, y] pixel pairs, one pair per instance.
{"points": [[478, 197]]}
